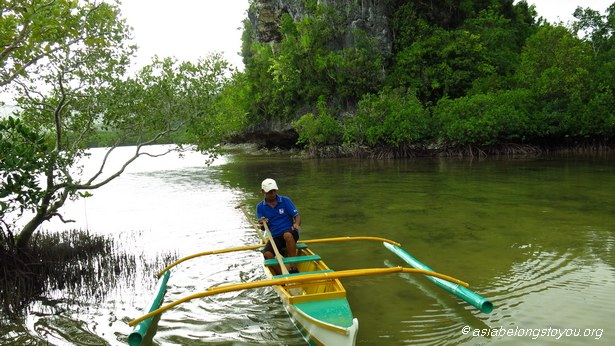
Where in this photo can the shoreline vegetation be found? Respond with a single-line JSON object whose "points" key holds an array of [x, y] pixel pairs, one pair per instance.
{"points": [[473, 79], [469, 151], [383, 152], [511, 150]]}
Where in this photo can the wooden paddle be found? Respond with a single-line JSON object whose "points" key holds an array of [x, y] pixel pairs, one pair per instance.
{"points": [[275, 249], [260, 234], [256, 228]]}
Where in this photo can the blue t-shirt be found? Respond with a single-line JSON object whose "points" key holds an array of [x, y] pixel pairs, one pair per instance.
{"points": [[280, 217]]}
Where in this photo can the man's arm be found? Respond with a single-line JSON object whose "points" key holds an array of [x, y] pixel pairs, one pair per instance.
{"points": [[296, 221]]}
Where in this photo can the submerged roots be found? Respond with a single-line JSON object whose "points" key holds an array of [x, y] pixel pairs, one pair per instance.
{"points": [[450, 150], [82, 265]]}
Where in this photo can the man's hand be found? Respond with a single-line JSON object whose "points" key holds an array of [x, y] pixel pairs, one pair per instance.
{"points": [[262, 221]]}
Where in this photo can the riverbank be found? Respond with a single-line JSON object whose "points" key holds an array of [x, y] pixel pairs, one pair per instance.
{"points": [[386, 153]]}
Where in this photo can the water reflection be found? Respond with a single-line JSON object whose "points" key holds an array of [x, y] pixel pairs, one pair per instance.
{"points": [[536, 237]]}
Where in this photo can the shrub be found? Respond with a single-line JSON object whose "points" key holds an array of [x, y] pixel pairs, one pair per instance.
{"points": [[392, 117]]}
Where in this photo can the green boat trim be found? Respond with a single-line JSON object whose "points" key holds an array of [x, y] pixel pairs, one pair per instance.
{"points": [[138, 333], [334, 312], [464, 293]]}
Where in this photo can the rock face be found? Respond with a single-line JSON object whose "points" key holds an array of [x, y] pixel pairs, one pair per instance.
{"points": [[269, 134], [372, 16]]}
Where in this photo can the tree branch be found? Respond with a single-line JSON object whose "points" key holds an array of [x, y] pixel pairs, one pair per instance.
{"points": [[58, 112], [91, 186]]}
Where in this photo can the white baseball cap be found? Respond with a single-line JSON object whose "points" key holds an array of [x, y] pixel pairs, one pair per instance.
{"points": [[269, 184]]}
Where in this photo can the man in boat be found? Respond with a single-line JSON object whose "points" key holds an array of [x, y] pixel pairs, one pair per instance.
{"points": [[283, 220]]}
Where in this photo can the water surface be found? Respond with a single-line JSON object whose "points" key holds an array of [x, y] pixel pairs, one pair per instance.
{"points": [[535, 236]]}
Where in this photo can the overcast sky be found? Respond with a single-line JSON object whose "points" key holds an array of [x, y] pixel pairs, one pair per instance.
{"points": [[186, 29], [561, 10], [189, 29]]}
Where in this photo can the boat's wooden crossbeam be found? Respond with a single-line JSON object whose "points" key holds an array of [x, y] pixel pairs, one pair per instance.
{"points": [[291, 260], [303, 273], [299, 246], [320, 289], [315, 296]]}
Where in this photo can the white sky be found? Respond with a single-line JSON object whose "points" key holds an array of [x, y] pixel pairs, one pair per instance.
{"points": [[555, 11], [186, 29], [190, 29]]}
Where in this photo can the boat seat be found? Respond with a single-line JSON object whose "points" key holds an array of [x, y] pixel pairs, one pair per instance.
{"points": [[298, 246], [303, 273], [290, 260]]}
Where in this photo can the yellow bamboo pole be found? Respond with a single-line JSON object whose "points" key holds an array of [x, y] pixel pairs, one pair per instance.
{"points": [[212, 252], [256, 246], [338, 239], [296, 279], [253, 223]]}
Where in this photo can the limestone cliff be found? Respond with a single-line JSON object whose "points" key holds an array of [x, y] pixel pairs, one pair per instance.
{"points": [[372, 16]]}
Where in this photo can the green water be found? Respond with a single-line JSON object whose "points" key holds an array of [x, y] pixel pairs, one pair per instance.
{"points": [[535, 236]]}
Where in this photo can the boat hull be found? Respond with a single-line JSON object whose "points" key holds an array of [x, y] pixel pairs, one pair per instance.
{"points": [[316, 334], [319, 309]]}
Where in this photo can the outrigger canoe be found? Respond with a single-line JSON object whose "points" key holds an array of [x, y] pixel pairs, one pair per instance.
{"points": [[314, 298], [318, 308]]}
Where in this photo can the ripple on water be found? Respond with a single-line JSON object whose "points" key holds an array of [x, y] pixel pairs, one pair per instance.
{"points": [[578, 291], [248, 316], [573, 292]]}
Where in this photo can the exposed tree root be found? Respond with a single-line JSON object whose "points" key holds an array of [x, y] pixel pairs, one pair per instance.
{"points": [[468, 151]]}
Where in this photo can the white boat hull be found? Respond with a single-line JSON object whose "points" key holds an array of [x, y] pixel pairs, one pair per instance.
{"points": [[317, 335]]}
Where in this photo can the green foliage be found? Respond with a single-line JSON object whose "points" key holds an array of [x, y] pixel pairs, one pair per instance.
{"points": [[168, 101], [486, 119], [500, 39], [309, 61], [490, 72], [58, 58], [22, 160], [595, 119], [76, 94], [319, 129], [222, 115], [595, 28], [441, 65], [33, 30], [392, 117], [555, 66]]}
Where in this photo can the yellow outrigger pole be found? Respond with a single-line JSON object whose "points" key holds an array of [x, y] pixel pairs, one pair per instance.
{"points": [[293, 280], [257, 246]]}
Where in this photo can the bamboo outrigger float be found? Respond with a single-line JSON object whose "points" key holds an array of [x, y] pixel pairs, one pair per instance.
{"points": [[314, 298]]}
